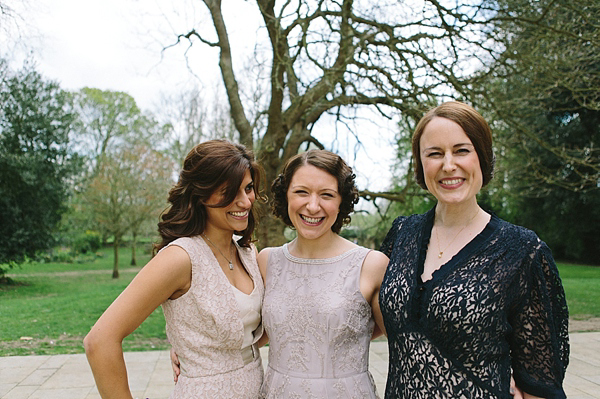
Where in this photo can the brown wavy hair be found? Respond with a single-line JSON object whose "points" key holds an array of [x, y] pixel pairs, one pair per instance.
{"points": [[474, 126], [208, 167], [330, 163]]}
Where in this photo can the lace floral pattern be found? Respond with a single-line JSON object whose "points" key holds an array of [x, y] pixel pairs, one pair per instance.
{"points": [[497, 304], [319, 326], [206, 331]]}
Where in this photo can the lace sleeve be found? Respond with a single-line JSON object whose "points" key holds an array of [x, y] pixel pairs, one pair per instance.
{"points": [[390, 239], [540, 341]]}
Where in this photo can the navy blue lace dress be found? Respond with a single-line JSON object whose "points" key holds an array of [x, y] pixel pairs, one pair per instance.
{"points": [[497, 304]]}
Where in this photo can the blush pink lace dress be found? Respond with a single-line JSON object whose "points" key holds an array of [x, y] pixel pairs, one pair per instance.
{"points": [[319, 327], [206, 330]]}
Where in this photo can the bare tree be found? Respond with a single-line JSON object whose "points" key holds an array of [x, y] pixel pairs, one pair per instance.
{"points": [[15, 29], [334, 57], [149, 178], [187, 120]]}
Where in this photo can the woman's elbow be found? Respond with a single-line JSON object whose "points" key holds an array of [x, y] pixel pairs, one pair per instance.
{"points": [[94, 341], [90, 343]]}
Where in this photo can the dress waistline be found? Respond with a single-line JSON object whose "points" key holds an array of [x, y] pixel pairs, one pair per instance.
{"points": [[250, 353], [304, 375]]}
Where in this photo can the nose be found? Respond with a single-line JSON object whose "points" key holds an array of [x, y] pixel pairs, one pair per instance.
{"points": [[449, 164], [244, 200], [313, 205]]}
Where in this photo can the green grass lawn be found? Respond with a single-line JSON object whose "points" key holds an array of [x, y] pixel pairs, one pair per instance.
{"points": [[55, 310], [49, 314], [582, 289]]}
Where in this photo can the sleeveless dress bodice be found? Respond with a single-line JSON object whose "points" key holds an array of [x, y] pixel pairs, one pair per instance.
{"points": [[319, 327], [205, 326]]}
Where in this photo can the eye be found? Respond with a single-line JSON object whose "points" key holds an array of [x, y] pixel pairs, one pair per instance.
{"points": [[300, 192], [327, 195], [433, 154], [463, 151], [250, 187]]}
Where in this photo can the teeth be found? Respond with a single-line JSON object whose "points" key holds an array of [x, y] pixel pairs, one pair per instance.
{"points": [[239, 214], [450, 182], [311, 220]]}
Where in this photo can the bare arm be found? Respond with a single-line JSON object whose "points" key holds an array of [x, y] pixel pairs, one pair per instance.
{"points": [[371, 276], [167, 275], [263, 258]]}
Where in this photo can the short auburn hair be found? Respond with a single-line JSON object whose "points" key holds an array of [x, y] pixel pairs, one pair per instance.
{"points": [[474, 126]]}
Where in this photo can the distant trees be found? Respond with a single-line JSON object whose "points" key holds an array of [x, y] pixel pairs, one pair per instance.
{"points": [[128, 189], [127, 178], [36, 161], [545, 93], [545, 103], [541, 94]]}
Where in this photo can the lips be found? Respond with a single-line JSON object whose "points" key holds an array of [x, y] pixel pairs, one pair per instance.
{"points": [[310, 220], [451, 182], [241, 214]]}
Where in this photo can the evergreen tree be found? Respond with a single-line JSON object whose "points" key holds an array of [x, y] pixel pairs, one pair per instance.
{"points": [[35, 162]]}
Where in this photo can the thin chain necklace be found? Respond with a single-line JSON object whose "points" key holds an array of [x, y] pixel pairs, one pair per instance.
{"points": [[222, 254], [441, 253]]}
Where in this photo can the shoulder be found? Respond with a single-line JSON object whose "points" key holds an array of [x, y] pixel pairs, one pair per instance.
{"points": [[528, 251], [186, 244], [404, 226], [409, 222], [263, 255], [376, 258], [263, 260], [520, 237], [249, 251], [172, 261], [375, 263], [178, 248]]}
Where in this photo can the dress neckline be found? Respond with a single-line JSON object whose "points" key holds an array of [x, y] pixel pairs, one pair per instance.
{"points": [[222, 272], [460, 256], [318, 261]]}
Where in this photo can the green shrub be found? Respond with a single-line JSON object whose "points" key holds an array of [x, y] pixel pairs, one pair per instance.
{"points": [[90, 241], [61, 255]]}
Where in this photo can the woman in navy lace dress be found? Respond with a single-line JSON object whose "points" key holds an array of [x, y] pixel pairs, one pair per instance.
{"points": [[468, 297]]}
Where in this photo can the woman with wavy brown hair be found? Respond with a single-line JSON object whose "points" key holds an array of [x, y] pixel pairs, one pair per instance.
{"points": [[206, 279]]}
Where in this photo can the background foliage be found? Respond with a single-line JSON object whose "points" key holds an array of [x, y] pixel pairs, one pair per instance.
{"points": [[36, 162], [532, 68]]}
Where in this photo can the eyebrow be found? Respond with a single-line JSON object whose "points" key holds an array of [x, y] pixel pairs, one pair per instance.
{"points": [[299, 186], [454, 146]]}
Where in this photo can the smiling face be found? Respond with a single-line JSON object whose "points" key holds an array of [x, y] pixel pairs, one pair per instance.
{"points": [[233, 217], [451, 167], [313, 201]]}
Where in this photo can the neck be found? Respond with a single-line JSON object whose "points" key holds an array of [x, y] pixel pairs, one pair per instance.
{"points": [[220, 238], [455, 215], [318, 248]]}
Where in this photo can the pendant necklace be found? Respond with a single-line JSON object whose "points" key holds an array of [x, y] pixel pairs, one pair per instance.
{"points": [[441, 253], [211, 243]]}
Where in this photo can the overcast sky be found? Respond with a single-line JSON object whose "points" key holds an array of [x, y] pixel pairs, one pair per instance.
{"points": [[116, 45]]}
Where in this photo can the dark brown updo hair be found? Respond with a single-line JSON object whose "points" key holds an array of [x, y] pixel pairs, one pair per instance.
{"points": [[330, 163], [475, 127], [208, 166]]}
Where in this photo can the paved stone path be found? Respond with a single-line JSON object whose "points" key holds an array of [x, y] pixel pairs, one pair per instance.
{"points": [[69, 376]]}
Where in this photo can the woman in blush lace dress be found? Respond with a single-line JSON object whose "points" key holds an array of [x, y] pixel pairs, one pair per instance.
{"points": [[321, 290], [468, 296], [208, 283]]}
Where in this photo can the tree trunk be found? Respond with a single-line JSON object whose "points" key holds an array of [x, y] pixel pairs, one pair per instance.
{"points": [[116, 258], [133, 246], [269, 231]]}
